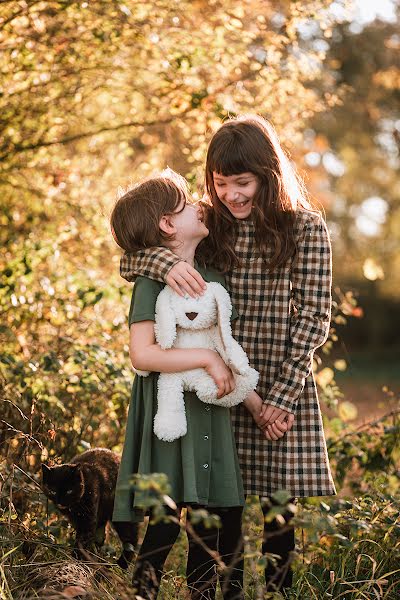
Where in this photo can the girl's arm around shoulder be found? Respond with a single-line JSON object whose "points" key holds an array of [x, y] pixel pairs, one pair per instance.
{"points": [[154, 263], [161, 264]]}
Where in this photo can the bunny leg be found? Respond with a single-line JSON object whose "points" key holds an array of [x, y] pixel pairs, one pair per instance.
{"points": [[170, 420], [199, 381], [244, 384]]}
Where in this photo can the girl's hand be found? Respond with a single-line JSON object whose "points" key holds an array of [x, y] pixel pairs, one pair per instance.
{"points": [[276, 421], [274, 431], [277, 430], [269, 414], [184, 279], [221, 374], [254, 404]]}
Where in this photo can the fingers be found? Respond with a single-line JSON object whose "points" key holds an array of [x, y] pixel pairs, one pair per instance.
{"points": [[196, 280], [184, 279], [279, 426], [192, 283], [227, 385], [273, 432], [290, 421], [269, 414], [274, 422]]}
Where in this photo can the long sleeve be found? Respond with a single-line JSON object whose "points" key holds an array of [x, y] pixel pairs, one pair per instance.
{"points": [[154, 263], [311, 278]]}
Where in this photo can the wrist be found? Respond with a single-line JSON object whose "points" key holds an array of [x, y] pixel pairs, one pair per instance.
{"points": [[208, 358], [253, 404]]}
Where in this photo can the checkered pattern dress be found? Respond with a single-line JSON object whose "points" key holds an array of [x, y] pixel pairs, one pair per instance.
{"points": [[283, 318]]}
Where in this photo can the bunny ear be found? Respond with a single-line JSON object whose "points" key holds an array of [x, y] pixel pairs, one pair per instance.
{"points": [[224, 310], [234, 354], [165, 326]]}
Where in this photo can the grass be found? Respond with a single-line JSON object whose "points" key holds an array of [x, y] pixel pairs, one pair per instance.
{"points": [[346, 550]]}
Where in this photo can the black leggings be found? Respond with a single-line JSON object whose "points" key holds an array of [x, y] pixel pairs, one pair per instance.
{"points": [[201, 567], [278, 539]]}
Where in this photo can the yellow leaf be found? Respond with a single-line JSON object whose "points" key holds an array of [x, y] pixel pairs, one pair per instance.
{"points": [[71, 368], [325, 377], [340, 365], [347, 411]]}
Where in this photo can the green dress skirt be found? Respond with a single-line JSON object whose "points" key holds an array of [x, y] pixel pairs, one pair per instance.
{"points": [[202, 466]]}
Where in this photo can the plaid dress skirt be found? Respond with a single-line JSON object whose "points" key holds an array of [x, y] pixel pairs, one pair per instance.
{"points": [[283, 317]]}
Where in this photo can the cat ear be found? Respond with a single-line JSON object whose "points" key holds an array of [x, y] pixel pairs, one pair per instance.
{"points": [[73, 469], [45, 468], [45, 471]]}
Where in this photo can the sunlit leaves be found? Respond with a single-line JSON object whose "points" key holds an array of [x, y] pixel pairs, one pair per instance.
{"points": [[372, 270], [347, 411]]}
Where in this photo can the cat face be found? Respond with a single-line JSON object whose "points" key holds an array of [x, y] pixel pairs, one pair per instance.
{"points": [[63, 484]]}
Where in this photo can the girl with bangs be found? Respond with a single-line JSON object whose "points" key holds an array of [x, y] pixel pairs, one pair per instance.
{"points": [[275, 253]]}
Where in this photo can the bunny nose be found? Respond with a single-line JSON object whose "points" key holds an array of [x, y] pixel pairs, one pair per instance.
{"points": [[191, 316]]}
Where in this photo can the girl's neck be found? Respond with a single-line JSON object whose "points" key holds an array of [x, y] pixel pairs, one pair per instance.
{"points": [[185, 250]]}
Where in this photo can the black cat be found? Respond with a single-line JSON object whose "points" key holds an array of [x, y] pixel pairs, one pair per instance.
{"points": [[83, 490]]}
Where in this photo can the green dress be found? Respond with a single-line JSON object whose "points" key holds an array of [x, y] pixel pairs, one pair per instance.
{"points": [[202, 467]]}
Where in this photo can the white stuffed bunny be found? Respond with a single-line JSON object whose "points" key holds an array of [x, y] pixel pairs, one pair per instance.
{"points": [[202, 322]]}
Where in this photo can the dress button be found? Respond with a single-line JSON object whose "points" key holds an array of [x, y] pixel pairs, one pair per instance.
{"points": [[205, 465], [206, 437]]}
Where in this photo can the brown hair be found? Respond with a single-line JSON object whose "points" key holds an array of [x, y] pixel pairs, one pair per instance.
{"points": [[136, 215], [250, 144]]}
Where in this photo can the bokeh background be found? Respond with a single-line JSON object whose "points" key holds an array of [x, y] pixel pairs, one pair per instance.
{"points": [[97, 94]]}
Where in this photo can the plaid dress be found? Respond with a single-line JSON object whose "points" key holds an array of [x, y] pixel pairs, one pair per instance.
{"points": [[283, 317]]}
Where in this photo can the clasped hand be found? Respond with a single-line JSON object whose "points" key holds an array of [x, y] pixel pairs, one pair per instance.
{"points": [[274, 422]]}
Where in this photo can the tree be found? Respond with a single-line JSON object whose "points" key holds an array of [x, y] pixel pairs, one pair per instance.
{"points": [[356, 144], [94, 91]]}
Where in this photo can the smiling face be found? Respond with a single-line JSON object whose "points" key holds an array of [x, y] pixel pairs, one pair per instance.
{"points": [[236, 192], [188, 221]]}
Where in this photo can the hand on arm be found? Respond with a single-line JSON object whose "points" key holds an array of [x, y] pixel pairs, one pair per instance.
{"points": [[161, 264], [147, 355], [184, 279], [154, 263]]}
